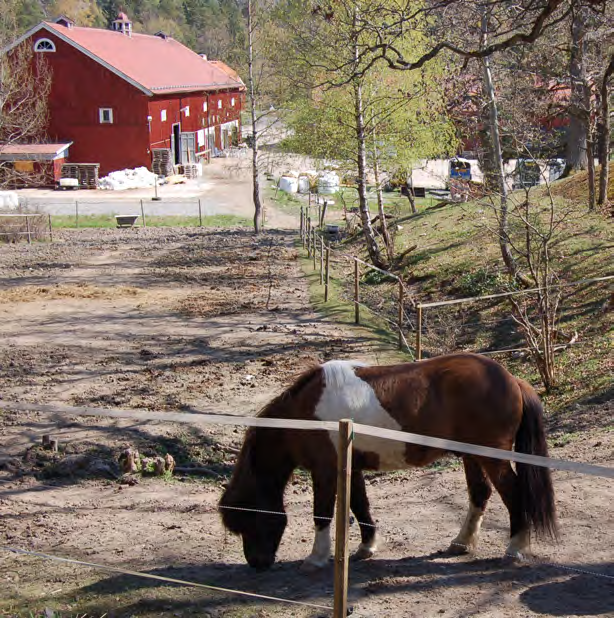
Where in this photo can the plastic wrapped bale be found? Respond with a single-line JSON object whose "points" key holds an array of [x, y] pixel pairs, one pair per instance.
{"points": [[328, 183], [288, 184], [8, 200], [303, 184]]}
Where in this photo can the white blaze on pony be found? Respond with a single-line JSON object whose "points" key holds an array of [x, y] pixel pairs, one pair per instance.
{"points": [[345, 395], [459, 397]]}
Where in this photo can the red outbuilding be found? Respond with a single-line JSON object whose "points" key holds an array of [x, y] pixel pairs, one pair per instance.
{"points": [[124, 99]]}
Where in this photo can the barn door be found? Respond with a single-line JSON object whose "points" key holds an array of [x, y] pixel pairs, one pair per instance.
{"points": [[188, 148]]}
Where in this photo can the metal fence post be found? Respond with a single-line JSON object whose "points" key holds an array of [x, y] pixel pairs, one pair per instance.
{"points": [[50, 230], [200, 214], [76, 213], [356, 292], [28, 230], [143, 214], [308, 237], [321, 260], [419, 332], [344, 473]]}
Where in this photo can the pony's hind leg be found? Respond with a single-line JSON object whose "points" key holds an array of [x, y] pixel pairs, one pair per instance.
{"points": [[324, 494], [359, 503], [480, 491], [505, 481]]}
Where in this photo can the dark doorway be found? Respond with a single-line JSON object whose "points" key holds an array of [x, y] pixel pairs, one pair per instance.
{"points": [[176, 145]]}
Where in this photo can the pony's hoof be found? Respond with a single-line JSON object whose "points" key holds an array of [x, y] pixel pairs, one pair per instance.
{"points": [[310, 566], [516, 555], [363, 553], [457, 548]]}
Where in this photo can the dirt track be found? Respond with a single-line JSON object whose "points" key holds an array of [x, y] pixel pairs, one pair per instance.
{"points": [[183, 320]]}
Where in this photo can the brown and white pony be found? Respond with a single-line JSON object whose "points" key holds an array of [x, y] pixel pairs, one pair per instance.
{"points": [[462, 397]]}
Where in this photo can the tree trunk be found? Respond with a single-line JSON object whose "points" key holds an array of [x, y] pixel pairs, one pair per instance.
{"points": [[388, 241], [577, 156], [411, 196], [363, 202], [361, 160], [497, 164], [252, 102], [604, 134], [591, 171]]}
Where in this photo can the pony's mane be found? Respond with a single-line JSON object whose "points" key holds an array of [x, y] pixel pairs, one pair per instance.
{"points": [[271, 409]]}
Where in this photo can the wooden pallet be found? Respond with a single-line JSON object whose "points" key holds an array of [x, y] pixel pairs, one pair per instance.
{"points": [[162, 163], [85, 173]]}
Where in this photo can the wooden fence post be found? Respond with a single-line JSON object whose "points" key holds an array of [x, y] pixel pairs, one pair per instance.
{"points": [[313, 246], [344, 472], [308, 237], [321, 260], [50, 230], [200, 214], [323, 213], [419, 332], [28, 230], [301, 224], [356, 292], [143, 214], [400, 317], [319, 214], [327, 275]]}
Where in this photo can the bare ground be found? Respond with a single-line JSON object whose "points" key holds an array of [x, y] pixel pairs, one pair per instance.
{"points": [[219, 321]]}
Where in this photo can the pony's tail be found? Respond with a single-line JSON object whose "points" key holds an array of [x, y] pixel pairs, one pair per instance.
{"points": [[535, 482]]}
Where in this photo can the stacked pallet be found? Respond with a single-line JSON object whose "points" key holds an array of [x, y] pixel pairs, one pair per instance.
{"points": [[85, 173], [162, 164], [190, 170]]}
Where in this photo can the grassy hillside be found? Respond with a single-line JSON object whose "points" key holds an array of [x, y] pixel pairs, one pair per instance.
{"points": [[457, 255]]}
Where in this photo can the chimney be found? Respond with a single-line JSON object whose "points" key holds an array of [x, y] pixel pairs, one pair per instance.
{"points": [[122, 24]]}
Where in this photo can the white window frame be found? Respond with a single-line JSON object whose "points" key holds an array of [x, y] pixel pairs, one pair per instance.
{"points": [[232, 102], [163, 115], [40, 42], [204, 106], [101, 115], [219, 104]]}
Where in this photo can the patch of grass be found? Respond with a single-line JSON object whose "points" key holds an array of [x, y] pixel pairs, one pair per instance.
{"points": [[108, 221], [381, 341]]}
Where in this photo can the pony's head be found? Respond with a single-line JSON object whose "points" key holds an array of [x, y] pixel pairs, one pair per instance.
{"points": [[252, 504]]}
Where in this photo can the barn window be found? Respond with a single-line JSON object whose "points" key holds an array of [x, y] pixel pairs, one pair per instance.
{"points": [[186, 110], [44, 45], [105, 114], [219, 104], [205, 106], [232, 102], [163, 115]]}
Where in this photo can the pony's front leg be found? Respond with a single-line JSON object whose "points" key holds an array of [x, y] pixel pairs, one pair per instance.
{"points": [[359, 503], [324, 494]]}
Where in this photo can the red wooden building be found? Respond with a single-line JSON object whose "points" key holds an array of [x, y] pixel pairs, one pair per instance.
{"points": [[120, 97]]}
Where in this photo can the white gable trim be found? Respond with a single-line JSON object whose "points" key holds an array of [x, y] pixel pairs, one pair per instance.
{"points": [[87, 52]]}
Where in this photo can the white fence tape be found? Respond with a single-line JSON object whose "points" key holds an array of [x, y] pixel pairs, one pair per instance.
{"points": [[282, 423]]}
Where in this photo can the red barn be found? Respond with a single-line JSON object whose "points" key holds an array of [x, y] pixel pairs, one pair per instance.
{"points": [[120, 97]]}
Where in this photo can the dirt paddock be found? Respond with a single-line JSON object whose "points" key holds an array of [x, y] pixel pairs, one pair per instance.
{"points": [[219, 321]]}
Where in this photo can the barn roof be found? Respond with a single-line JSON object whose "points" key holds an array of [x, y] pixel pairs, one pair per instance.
{"points": [[153, 64]]}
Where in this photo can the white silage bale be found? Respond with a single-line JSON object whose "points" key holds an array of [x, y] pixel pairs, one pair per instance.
{"points": [[288, 184], [9, 200], [303, 184]]}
